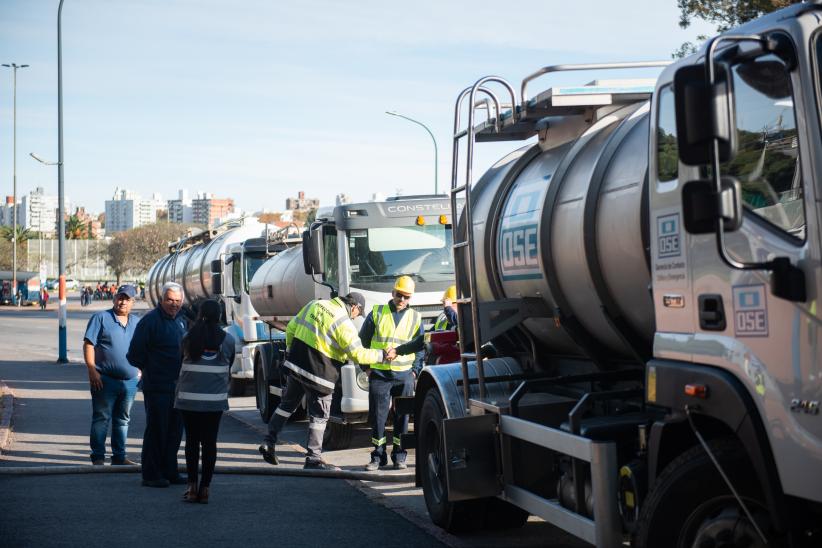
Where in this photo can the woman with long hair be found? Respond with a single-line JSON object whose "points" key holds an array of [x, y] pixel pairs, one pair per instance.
{"points": [[202, 394]]}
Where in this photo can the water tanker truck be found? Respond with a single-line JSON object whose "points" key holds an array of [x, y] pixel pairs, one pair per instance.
{"points": [[360, 247], [196, 263], [637, 292]]}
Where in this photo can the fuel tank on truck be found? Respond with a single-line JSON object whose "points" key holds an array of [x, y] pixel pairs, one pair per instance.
{"points": [[280, 287], [568, 225], [190, 266]]}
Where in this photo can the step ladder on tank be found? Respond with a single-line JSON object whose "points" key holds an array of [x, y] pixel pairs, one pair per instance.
{"points": [[522, 120]]}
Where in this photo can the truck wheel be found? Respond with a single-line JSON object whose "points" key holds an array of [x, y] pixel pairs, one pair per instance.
{"points": [[337, 435], [454, 517], [691, 506], [266, 401], [236, 387]]}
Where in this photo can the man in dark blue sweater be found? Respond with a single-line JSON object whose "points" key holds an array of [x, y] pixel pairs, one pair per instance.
{"points": [[155, 350]]}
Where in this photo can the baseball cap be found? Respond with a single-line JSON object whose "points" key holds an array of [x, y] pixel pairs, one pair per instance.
{"points": [[127, 290], [356, 298]]}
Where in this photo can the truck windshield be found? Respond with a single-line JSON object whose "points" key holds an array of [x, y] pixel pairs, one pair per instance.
{"points": [[383, 254], [252, 263]]}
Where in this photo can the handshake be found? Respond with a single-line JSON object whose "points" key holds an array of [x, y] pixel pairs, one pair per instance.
{"points": [[389, 355]]}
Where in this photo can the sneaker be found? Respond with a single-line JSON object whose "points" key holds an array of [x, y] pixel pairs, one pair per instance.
{"points": [[373, 465], [400, 465], [319, 465], [98, 462], [125, 461], [155, 483], [269, 454]]}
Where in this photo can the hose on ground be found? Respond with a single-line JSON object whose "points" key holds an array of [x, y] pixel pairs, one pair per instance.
{"points": [[230, 470]]}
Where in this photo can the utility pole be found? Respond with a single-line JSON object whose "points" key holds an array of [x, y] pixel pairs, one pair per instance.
{"points": [[62, 357], [14, 301], [392, 113]]}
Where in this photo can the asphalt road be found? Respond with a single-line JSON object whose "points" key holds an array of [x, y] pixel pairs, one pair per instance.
{"points": [[52, 411]]}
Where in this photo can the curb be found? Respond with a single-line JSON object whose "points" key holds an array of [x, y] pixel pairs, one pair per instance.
{"points": [[6, 411]]}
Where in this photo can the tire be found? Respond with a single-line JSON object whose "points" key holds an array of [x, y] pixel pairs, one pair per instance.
{"points": [[237, 387], [454, 517], [266, 401], [337, 435], [690, 504]]}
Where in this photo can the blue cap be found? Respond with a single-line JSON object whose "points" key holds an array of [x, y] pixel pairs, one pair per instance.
{"points": [[127, 290]]}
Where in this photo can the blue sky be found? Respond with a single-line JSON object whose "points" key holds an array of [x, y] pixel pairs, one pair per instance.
{"points": [[259, 99]]}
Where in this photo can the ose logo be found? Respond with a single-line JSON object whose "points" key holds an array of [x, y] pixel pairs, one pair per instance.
{"points": [[518, 248], [750, 311], [668, 239]]}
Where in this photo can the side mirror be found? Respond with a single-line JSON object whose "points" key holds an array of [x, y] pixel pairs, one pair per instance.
{"points": [[313, 250], [217, 266], [704, 114], [787, 281], [217, 283], [701, 210]]}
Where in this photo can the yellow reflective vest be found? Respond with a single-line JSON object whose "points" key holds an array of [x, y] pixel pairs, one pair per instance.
{"points": [[325, 327], [388, 335]]}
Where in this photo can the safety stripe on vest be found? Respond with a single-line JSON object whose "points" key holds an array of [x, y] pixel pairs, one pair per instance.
{"points": [[316, 330], [220, 369], [282, 413], [378, 442], [303, 373], [396, 440], [201, 397]]}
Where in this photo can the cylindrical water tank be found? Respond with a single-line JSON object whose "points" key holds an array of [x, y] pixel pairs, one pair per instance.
{"points": [[280, 287], [191, 267], [566, 225]]}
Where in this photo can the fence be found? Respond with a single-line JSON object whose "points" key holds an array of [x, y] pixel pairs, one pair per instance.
{"points": [[85, 259]]}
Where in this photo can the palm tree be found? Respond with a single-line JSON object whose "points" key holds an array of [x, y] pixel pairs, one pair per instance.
{"points": [[23, 234], [76, 229]]}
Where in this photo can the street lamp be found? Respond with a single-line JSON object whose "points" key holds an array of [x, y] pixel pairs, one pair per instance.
{"points": [[14, 66], [393, 113]]}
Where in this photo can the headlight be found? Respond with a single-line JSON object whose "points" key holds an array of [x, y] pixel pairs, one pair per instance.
{"points": [[362, 380]]}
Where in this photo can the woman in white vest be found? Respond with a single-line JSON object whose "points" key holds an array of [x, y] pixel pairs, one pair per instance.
{"points": [[202, 394]]}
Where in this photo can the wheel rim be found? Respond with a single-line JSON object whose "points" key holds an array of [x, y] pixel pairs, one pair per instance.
{"points": [[721, 523], [434, 470]]}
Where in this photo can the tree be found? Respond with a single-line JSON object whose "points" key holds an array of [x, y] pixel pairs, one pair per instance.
{"points": [[132, 252], [23, 234], [725, 14], [76, 229]]}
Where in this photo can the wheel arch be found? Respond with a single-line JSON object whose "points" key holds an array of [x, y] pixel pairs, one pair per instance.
{"points": [[728, 410]]}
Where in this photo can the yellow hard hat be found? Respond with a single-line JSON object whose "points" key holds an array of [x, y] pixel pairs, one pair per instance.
{"points": [[404, 284], [450, 293]]}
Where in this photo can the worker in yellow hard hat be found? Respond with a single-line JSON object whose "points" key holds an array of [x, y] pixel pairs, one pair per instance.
{"points": [[447, 320], [386, 327]]}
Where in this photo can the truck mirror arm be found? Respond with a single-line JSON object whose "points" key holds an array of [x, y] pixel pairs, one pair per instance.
{"points": [[787, 280]]}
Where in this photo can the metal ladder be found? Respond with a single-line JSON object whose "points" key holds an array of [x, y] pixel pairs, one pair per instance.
{"points": [[460, 244]]}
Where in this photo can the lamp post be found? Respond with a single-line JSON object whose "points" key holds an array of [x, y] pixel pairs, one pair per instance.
{"points": [[14, 66], [62, 357], [392, 113]]}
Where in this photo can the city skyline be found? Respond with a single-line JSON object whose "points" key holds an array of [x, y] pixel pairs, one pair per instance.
{"points": [[271, 99]]}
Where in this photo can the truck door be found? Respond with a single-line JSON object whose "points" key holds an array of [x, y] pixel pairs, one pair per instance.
{"points": [[768, 343]]}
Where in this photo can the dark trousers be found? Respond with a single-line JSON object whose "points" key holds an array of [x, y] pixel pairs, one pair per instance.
{"points": [[319, 409], [201, 429], [161, 441], [380, 392]]}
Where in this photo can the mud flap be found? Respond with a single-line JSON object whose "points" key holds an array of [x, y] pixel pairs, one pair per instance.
{"points": [[472, 467]]}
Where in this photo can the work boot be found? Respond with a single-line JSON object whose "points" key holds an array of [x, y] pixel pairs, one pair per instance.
{"points": [[400, 465], [269, 454], [319, 465], [373, 465], [98, 462]]}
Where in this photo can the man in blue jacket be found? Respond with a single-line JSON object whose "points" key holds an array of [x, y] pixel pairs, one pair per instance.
{"points": [[155, 350]]}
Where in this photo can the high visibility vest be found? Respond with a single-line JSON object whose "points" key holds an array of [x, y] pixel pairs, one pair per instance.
{"points": [[388, 335], [442, 322], [326, 327]]}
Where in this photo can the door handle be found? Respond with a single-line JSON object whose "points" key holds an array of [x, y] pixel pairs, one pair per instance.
{"points": [[711, 312]]}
